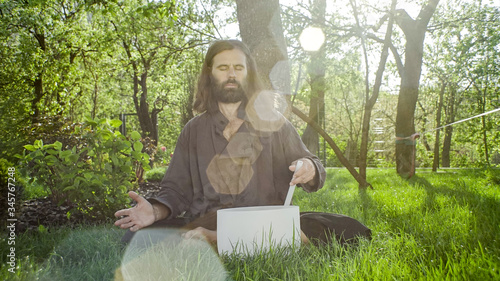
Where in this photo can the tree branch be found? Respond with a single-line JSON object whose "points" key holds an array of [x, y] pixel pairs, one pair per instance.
{"points": [[394, 50], [426, 13], [362, 182]]}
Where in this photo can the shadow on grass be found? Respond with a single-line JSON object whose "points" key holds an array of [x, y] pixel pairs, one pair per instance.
{"points": [[485, 209], [367, 204], [453, 212]]}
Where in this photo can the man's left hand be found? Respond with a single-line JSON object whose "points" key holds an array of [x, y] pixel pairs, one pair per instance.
{"points": [[304, 174], [201, 233]]}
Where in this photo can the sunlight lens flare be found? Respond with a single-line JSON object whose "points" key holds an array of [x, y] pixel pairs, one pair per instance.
{"points": [[162, 254], [312, 38]]}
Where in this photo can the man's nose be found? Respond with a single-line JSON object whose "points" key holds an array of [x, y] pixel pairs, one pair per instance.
{"points": [[232, 72]]}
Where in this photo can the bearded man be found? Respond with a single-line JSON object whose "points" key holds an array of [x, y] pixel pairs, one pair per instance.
{"points": [[238, 152]]}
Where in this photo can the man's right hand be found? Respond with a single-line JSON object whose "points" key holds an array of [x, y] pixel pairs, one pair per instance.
{"points": [[137, 217]]}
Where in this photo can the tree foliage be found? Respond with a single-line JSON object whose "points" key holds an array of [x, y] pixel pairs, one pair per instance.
{"points": [[65, 60], [101, 58], [465, 63], [40, 45]]}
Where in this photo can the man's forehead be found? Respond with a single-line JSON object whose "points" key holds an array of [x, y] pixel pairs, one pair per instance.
{"points": [[230, 57]]}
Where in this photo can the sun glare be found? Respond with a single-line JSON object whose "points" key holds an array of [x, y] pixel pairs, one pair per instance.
{"points": [[312, 38]]}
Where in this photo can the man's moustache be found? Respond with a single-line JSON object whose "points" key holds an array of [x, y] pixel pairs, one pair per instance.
{"points": [[232, 82]]}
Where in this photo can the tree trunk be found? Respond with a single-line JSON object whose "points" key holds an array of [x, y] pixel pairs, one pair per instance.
{"points": [[189, 91], [261, 30], [94, 99], [414, 31], [371, 100], [485, 140], [435, 163], [38, 83], [38, 97], [316, 70], [424, 120], [149, 129], [448, 131], [140, 94], [483, 123]]}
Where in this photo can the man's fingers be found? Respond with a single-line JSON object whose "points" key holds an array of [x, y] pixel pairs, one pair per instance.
{"points": [[197, 233], [133, 218], [127, 222], [136, 197], [304, 174], [122, 221], [126, 212], [192, 234], [121, 213], [296, 180], [303, 179], [128, 225]]}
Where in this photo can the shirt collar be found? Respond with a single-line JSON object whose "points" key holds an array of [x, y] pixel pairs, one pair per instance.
{"points": [[221, 120]]}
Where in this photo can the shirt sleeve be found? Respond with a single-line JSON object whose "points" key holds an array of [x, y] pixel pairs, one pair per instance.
{"points": [[176, 188], [295, 149]]}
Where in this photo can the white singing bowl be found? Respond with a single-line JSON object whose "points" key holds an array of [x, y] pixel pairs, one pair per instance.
{"points": [[249, 230]]}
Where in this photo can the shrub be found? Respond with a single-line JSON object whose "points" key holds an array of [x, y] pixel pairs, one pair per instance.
{"points": [[51, 129], [93, 176], [155, 174], [162, 156]]}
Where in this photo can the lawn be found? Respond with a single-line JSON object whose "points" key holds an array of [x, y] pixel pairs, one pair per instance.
{"points": [[435, 226]]}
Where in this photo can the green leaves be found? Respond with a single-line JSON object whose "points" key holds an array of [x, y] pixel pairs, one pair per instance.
{"points": [[57, 145], [30, 147], [94, 177], [138, 146], [115, 123], [135, 136], [90, 122]]}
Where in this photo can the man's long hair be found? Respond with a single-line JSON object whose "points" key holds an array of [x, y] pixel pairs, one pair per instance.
{"points": [[204, 99]]}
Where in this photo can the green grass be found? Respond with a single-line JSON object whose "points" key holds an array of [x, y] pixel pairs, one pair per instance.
{"points": [[86, 253], [435, 226], [155, 174]]}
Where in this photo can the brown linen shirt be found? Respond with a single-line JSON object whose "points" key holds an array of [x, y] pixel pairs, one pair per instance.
{"points": [[207, 172]]}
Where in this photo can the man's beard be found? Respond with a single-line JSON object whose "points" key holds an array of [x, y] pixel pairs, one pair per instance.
{"points": [[228, 95]]}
